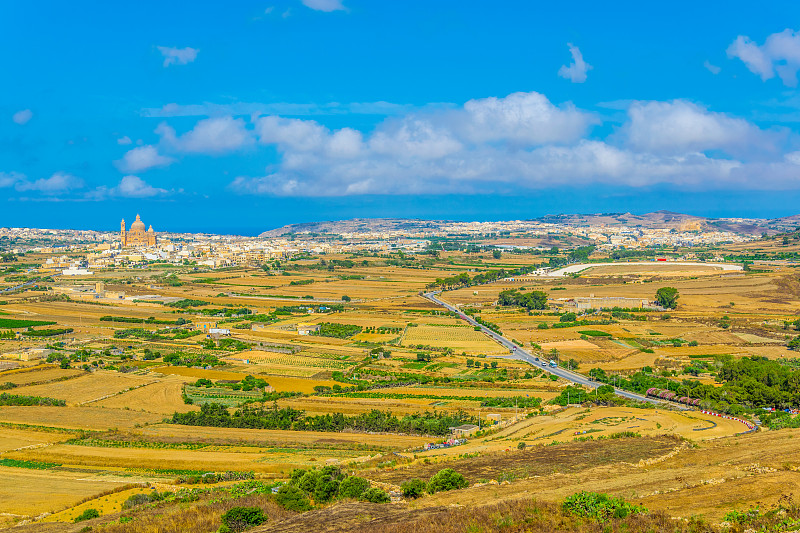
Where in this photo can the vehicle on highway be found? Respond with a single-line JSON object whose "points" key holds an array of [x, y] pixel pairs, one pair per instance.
{"points": [[553, 363]]}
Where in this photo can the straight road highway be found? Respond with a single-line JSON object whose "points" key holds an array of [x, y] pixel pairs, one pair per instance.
{"points": [[519, 353]]}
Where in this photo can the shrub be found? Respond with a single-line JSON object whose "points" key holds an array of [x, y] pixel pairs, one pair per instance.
{"points": [[241, 518], [599, 506], [413, 488], [375, 495], [292, 498], [326, 489], [446, 479], [88, 514], [353, 487], [135, 500]]}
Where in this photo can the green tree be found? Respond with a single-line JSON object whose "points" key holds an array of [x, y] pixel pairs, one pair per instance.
{"points": [[496, 254], [353, 487], [413, 488], [346, 298], [293, 498], [667, 297], [64, 362], [375, 495], [568, 317], [240, 518], [446, 479]]}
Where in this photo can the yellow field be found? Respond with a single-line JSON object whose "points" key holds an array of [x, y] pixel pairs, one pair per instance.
{"points": [[46, 491], [280, 383], [47, 373], [460, 338], [12, 439], [85, 417], [163, 397], [86, 388]]}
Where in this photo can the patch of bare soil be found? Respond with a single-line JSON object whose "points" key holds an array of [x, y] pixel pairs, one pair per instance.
{"points": [[539, 460]]}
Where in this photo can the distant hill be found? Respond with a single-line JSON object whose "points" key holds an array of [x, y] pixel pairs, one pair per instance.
{"points": [[657, 219]]}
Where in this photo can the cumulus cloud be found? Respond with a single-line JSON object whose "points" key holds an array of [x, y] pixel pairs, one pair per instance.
{"points": [[177, 56], [22, 117], [124, 140], [136, 187], [679, 127], [780, 54], [59, 182], [142, 158], [520, 141], [576, 71], [324, 5], [528, 118], [212, 135]]}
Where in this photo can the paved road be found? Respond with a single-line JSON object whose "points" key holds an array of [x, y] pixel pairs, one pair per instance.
{"points": [[20, 286], [519, 353]]}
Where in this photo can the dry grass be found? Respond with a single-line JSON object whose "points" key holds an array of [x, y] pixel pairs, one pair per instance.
{"points": [[86, 417], [163, 397], [38, 375], [87, 387]]}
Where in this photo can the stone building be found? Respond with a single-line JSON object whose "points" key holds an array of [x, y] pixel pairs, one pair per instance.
{"points": [[137, 236]]}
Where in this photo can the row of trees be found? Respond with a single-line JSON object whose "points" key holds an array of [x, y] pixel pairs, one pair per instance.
{"points": [[249, 416], [464, 279], [14, 399], [749, 383]]}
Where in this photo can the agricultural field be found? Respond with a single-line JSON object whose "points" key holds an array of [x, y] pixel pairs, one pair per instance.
{"points": [[459, 338], [151, 397]]}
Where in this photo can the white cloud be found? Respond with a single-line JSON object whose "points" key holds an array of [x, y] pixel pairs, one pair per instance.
{"points": [[124, 140], [713, 69], [679, 127], [325, 5], [136, 187], [177, 56], [522, 141], [528, 118], [212, 135], [9, 179], [142, 158], [22, 117], [779, 54], [57, 183], [576, 71]]}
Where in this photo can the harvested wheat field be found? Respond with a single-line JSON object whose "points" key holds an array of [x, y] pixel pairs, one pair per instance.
{"points": [[13, 438], [85, 417], [162, 397], [86, 388], [46, 491], [44, 374]]}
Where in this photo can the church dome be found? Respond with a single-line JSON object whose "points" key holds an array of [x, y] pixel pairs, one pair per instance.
{"points": [[137, 225]]}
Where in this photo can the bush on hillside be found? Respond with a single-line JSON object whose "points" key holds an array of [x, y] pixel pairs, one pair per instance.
{"points": [[446, 479]]}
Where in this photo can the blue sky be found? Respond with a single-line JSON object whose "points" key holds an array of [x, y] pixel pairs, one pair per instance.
{"points": [[264, 113]]}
